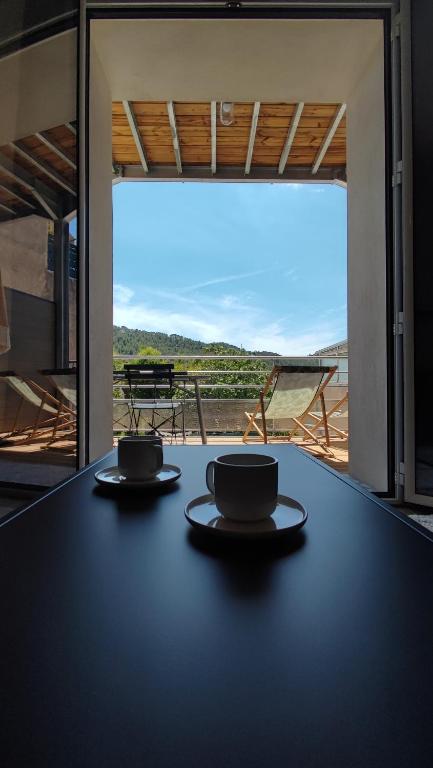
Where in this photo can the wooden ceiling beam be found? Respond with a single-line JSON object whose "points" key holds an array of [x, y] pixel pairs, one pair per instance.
{"points": [[129, 111], [8, 167], [53, 147], [290, 137], [48, 208], [253, 129], [174, 136], [328, 138], [43, 167], [213, 134], [18, 197], [71, 128], [6, 209], [40, 192], [301, 173]]}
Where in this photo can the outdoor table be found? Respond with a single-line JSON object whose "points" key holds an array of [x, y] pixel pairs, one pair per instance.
{"points": [[130, 639], [188, 378]]}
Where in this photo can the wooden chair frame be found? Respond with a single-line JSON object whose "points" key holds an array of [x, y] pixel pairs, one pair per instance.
{"points": [[299, 421], [319, 421], [64, 410], [63, 418]]}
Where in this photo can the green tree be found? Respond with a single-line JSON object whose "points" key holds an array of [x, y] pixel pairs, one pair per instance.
{"points": [[255, 380], [149, 352]]}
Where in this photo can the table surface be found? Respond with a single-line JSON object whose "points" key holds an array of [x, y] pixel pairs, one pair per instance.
{"points": [[129, 639]]}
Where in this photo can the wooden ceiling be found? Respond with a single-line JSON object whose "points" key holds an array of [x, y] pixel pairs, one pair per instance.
{"points": [[175, 140], [252, 146], [38, 174]]}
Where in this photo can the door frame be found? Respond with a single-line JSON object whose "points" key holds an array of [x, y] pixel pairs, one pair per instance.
{"points": [[295, 9]]}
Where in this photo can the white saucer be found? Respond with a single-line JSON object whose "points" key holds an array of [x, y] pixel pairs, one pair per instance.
{"points": [[111, 476], [288, 516]]}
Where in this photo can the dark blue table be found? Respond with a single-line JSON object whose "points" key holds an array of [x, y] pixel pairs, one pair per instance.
{"points": [[127, 639]]}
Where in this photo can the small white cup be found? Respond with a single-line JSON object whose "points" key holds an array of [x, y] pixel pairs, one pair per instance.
{"points": [[140, 457]]}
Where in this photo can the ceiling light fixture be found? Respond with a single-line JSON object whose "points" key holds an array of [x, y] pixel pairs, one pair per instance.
{"points": [[227, 112]]}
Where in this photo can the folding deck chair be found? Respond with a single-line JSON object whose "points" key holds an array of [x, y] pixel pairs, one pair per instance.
{"points": [[51, 414], [65, 382], [295, 390], [338, 411]]}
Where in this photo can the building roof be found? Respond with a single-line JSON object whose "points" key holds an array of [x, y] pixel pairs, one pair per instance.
{"points": [[339, 348]]}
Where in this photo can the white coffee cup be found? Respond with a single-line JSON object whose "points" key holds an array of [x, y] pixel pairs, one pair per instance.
{"points": [[245, 485], [140, 457]]}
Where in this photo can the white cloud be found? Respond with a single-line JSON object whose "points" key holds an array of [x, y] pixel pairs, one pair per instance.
{"points": [[122, 294], [293, 344], [239, 320], [342, 308], [225, 279], [157, 319], [285, 186]]}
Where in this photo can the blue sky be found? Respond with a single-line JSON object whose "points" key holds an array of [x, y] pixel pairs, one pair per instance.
{"points": [[262, 266]]}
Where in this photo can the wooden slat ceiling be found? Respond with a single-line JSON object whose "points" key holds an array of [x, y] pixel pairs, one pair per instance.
{"points": [[38, 174], [193, 125]]}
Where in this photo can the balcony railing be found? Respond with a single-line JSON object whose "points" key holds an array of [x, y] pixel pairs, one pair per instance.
{"points": [[222, 414]]}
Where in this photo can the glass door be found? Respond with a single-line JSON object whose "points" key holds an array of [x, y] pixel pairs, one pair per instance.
{"points": [[38, 245]]}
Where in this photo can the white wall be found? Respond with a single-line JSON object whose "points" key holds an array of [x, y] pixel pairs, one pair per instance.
{"points": [[284, 60], [329, 61], [38, 87], [367, 277], [100, 264]]}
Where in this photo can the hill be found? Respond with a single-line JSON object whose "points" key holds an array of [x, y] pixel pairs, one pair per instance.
{"points": [[129, 341]]}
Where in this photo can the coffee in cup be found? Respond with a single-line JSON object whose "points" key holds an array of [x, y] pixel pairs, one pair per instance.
{"points": [[245, 485], [140, 456]]}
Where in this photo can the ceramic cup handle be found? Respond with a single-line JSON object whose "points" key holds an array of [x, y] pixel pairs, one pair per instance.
{"points": [[210, 476]]}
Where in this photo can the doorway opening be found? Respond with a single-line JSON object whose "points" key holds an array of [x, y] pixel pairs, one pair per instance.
{"points": [[227, 280]]}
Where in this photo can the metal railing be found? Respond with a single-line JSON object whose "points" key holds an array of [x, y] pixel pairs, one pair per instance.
{"points": [[222, 414], [340, 378]]}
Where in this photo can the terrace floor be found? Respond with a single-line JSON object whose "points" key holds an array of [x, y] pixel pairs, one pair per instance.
{"points": [[35, 463], [338, 461], [59, 459]]}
